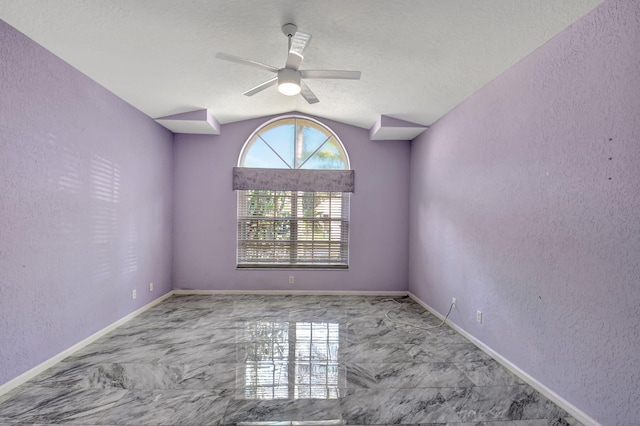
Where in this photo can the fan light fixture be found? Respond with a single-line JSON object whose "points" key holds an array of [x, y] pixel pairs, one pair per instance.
{"points": [[288, 82], [290, 79]]}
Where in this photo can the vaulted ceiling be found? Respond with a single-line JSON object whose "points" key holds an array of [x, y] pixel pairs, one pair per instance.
{"points": [[418, 58]]}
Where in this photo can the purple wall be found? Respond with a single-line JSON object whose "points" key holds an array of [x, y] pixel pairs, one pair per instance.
{"points": [[205, 216], [525, 204], [85, 206]]}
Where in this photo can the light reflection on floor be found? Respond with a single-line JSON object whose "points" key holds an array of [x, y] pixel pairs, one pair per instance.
{"points": [[291, 360]]}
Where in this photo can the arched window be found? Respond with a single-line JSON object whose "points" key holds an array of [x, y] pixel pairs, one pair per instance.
{"points": [[293, 180], [294, 143]]}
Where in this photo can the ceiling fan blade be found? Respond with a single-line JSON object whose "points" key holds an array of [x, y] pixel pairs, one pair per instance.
{"points": [[307, 94], [299, 43], [331, 74], [243, 61], [261, 87]]}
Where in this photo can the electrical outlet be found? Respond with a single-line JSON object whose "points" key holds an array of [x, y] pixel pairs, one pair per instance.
{"points": [[134, 294], [453, 302], [290, 279], [150, 286], [479, 317]]}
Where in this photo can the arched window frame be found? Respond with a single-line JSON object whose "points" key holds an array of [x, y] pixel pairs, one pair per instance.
{"points": [[273, 122], [293, 218]]}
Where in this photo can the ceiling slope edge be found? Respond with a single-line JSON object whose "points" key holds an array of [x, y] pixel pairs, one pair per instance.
{"points": [[388, 128], [198, 122]]}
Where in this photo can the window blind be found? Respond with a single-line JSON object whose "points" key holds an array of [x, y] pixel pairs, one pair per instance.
{"points": [[293, 229]]}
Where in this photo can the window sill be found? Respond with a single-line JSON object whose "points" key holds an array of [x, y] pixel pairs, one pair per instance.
{"points": [[294, 267]]}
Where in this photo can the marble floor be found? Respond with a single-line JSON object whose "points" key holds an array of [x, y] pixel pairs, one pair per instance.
{"points": [[280, 360]]}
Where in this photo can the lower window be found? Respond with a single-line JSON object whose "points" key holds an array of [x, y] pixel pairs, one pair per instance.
{"points": [[291, 229]]}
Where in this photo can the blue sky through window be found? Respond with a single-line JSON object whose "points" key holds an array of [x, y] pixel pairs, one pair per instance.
{"points": [[294, 143]]}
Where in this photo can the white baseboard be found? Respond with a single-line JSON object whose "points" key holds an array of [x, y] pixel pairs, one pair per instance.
{"points": [[531, 381], [184, 292], [28, 375]]}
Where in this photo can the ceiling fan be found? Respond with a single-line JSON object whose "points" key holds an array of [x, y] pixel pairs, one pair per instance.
{"points": [[290, 78]]}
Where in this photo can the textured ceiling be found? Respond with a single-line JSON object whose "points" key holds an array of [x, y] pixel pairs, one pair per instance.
{"points": [[419, 58]]}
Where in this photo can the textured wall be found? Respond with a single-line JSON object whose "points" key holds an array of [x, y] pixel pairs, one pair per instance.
{"points": [[85, 206], [525, 204], [205, 216]]}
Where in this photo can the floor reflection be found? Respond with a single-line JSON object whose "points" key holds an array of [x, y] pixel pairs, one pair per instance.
{"points": [[293, 360]]}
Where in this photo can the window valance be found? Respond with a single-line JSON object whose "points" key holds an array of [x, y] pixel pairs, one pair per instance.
{"points": [[293, 179]]}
